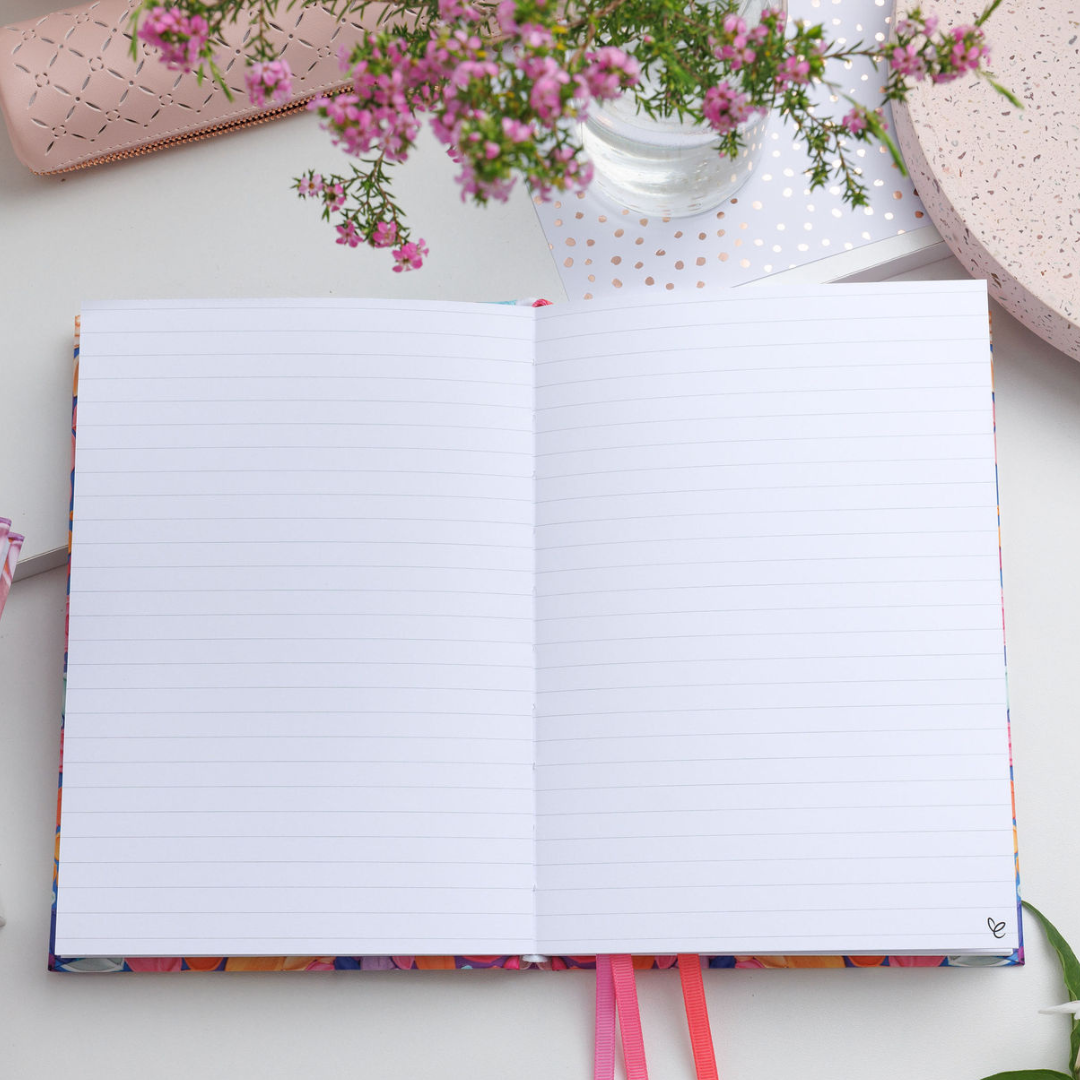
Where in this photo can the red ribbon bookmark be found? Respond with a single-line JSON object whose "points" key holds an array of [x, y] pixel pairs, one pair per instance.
{"points": [[697, 1016]]}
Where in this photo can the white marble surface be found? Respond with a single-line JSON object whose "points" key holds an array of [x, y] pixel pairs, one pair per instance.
{"points": [[142, 231]]}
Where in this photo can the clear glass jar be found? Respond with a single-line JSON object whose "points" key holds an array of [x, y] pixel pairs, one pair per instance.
{"points": [[665, 167]]}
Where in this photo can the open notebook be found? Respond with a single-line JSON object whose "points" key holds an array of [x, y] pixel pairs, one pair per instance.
{"points": [[653, 627]]}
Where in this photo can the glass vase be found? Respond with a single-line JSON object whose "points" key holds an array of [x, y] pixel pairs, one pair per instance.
{"points": [[666, 167]]}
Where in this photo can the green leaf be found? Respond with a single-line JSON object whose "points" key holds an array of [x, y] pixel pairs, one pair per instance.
{"points": [[894, 151], [987, 12], [1070, 966], [1030, 1074], [1007, 94], [1070, 971]]}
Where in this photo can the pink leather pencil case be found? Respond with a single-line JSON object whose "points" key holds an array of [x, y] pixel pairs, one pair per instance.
{"points": [[73, 96]]}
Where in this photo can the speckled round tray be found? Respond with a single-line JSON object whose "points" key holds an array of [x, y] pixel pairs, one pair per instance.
{"points": [[1003, 186]]}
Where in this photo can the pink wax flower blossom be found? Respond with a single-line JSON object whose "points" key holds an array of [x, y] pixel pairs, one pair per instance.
{"points": [[725, 109], [348, 235], [385, 120], [409, 256], [908, 61], [311, 185], [516, 130], [793, 72], [969, 49], [181, 38], [535, 37], [910, 27], [577, 172], [966, 53], [455, 9], [858, 120], [269, 81], [610, 71], [480, 187], [735, 47], [334, 196], [854, 121], [505, 14], [385, 234], [546, 94], [468, 70]]}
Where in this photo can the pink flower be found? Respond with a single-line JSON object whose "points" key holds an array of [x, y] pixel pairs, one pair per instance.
{"points": [[576, 171], [181, 38], [348, 235], [907, 27], [546, 94], [382, 118], [409, 256], [968, 48], [311, 185], [517, 131], [384, 235], [468, 70], [449, 10], [858, 120], [854, 121], [505, 13], [534, 36], [268, 81], [725, 109], [736, 52], [793, 71], [471, 184], [334, 196], [907, 61], [610, 71]]}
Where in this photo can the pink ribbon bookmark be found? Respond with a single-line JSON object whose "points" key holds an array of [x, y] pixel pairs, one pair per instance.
{"points": [[604, 1066], [616, 992]]}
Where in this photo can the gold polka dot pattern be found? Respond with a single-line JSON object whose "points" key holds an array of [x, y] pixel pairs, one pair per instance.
{"points": [[773, 223]]}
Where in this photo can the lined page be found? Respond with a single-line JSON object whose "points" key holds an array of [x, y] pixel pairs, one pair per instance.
{"points": [[771, 701], [300, 681]]}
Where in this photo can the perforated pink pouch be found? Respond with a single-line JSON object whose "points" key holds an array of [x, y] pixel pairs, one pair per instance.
{"points": [[73, 96]]}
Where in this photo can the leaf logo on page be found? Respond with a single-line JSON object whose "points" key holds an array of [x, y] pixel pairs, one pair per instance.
{"points": [[996, 928]]}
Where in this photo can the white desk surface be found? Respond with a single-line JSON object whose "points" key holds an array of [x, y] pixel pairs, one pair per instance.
{"points": [[217, 219]]}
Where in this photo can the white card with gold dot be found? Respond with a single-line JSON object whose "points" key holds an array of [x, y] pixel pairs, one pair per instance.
{"points": [[773, 223]]}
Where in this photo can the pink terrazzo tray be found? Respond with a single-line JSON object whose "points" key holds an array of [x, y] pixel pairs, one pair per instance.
{"points": [[1003, 186]]}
